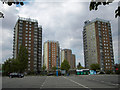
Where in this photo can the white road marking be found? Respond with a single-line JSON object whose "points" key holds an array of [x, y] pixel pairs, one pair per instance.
{"points": [[43, 83], [76, 82]]}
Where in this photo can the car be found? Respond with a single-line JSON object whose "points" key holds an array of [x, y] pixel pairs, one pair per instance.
{"points": [[19, 75], [101, 72], [50, 74]]}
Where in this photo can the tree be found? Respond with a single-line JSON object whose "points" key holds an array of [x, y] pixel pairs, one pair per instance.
{"points": [[7, 66], [95, 3], [1, 15], [79, 64], [54, 68], [95, 66], [65, 65], [81, 67], [44, 67], [9, 2], [117, 12], [22, 58], [16, 65]]}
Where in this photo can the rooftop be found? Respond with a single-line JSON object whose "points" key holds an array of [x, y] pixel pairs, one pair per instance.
{"points": [[94, 20], [27, 19], [51, 41]]}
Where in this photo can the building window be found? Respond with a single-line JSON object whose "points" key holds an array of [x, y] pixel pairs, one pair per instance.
{"points": [[26, 41], [29, 58], [29, 38], [29, 51], [29, 61], [26, 31], [29, 44], [29, 48]]}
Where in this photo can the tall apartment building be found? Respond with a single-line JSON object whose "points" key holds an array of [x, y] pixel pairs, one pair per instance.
{"points": [[74, 61], [29, 34], [98, 47], [66, 54], [51, 56]]}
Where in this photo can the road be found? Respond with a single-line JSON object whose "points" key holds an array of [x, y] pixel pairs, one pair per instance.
{"points": [[73, 81]]}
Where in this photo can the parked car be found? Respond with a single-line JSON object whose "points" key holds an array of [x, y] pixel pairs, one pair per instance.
{"points": [[50, 74], [101, 72], [19, 75]]}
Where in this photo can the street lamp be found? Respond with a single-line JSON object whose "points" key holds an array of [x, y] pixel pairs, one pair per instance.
{"points": [[57, 66]]}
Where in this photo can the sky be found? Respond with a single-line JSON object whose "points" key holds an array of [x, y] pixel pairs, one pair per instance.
{"points": [[61, 21]]}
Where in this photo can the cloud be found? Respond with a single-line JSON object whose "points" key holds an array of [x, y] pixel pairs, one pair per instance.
{"points": [[61, 21]]}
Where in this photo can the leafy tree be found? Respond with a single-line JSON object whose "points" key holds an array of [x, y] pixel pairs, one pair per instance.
{"points": [[54, 68], [44, 67], [79, 64], [16, 65], [22, 58], [81, 67], [95, 3], [9, 2], [65, 65], [95, 66], [7, 66], [1, 15]]}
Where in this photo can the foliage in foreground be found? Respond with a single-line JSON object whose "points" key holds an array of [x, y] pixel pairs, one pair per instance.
{"points": [[65, 65], [95, 66], [16, 65]]}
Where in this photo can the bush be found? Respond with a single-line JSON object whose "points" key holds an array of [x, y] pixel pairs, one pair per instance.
{"points": [[109, 72]]}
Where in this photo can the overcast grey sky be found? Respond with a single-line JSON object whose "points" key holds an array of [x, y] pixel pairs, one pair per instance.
{"points": [[61, 21]]}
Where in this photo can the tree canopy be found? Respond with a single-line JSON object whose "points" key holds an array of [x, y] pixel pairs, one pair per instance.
{"points": [[10, 2], [95, 3], [44, 67], [17, 65], [95, 66], [23, 58], [54, 68], [65, 65]]}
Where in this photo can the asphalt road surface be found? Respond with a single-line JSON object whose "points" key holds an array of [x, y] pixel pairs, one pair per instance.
{"points": [[73, 81]]}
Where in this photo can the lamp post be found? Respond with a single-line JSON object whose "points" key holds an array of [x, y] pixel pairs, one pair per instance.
{"points": [[57, 66]]}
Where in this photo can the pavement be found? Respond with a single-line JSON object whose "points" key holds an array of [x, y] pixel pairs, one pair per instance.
{"points": [[73, 81]]}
